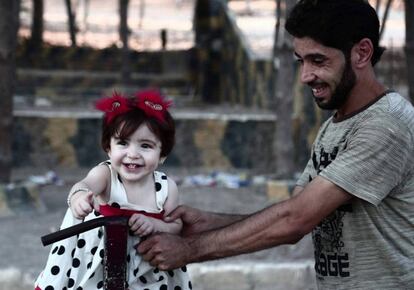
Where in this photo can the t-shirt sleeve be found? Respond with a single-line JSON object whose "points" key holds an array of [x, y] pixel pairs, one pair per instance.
{"points": [[374, 159], [305, 177]]}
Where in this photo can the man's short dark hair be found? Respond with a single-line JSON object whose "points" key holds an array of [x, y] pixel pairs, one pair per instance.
{"points": [[336, 23]]}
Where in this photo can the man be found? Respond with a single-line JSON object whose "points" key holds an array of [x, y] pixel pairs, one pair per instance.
{"points": [[356, 195]]}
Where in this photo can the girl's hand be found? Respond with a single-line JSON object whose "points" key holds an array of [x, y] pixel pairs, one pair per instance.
{"points": [[141, 225], [82, 204]]}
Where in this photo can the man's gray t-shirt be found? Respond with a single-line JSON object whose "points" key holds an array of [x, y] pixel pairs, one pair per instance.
{"points": [[368, 243]]}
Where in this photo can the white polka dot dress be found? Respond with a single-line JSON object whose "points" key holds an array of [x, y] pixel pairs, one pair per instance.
{"points": [[77, 262]]}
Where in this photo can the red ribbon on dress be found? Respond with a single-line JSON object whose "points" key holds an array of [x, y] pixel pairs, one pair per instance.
{"points": [[107, 210]]}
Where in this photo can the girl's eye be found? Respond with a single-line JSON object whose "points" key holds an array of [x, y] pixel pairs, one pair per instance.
{"points": [[146, 146], [121, 142]]}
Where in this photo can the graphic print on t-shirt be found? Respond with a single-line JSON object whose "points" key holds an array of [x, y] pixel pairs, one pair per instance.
{"points": [[330, 257]]}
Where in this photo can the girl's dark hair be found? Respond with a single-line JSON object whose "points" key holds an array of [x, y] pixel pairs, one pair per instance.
{"points": [[124, 125], [336, 23]]}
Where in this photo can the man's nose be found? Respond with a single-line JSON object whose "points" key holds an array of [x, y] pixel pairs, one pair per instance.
{"points": [[307, 74]]}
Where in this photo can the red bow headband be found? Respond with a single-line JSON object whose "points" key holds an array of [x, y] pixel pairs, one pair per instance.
{"points": [[150, 101]]}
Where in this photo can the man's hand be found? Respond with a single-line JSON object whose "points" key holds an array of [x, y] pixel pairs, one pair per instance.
{"points": [[194, 220], [165, 251]]}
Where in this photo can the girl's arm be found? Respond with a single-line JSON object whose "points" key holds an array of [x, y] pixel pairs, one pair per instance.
{"points": [[81, 196], [142, 225]]}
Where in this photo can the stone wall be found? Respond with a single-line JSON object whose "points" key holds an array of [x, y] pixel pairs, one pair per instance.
{"points": [[228, 69], [217, 141]]}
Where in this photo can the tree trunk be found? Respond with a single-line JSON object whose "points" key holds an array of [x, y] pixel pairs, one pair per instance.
{"points": [[71, 22], [208, 37], [377, 5], [277, 27], [385, 17], [36, 37], [409, 46], [9, 23], [282, 104], [124, 35], [141, 13]]}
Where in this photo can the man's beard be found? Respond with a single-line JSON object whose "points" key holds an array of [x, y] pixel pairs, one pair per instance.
{"points": [[341, 93]]}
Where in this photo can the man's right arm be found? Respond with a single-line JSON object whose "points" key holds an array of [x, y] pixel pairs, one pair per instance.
{"points": [[282, 223], [197, 221]]}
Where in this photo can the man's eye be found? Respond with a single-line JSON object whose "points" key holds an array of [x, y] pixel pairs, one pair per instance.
{"points": [[299, 60], [318, 60]]}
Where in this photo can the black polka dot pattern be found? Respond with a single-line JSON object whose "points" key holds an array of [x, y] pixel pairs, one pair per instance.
{"points": [[81, 258], [55, 270], [71, 282], [158, 186], [81, 243], [75, 263], [143, 279], [102, 253], [61, 250]]}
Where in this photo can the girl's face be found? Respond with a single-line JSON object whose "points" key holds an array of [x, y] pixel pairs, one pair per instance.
{"points": [[136, 157]]}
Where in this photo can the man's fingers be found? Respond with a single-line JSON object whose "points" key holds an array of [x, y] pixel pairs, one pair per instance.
{"points": [[175, 214], [145, 246]]}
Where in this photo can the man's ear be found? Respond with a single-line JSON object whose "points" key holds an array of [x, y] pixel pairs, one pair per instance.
{"points": [[362, 53]]}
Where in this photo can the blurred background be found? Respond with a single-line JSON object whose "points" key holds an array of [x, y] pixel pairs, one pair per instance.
{"points": [[244, 122], [227, 65]]}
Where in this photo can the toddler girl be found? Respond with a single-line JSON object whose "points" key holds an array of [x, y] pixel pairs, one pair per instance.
{"points": [[137, 134]]}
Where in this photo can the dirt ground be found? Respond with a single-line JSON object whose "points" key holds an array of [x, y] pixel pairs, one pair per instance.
{"points": [[20, 234]]}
